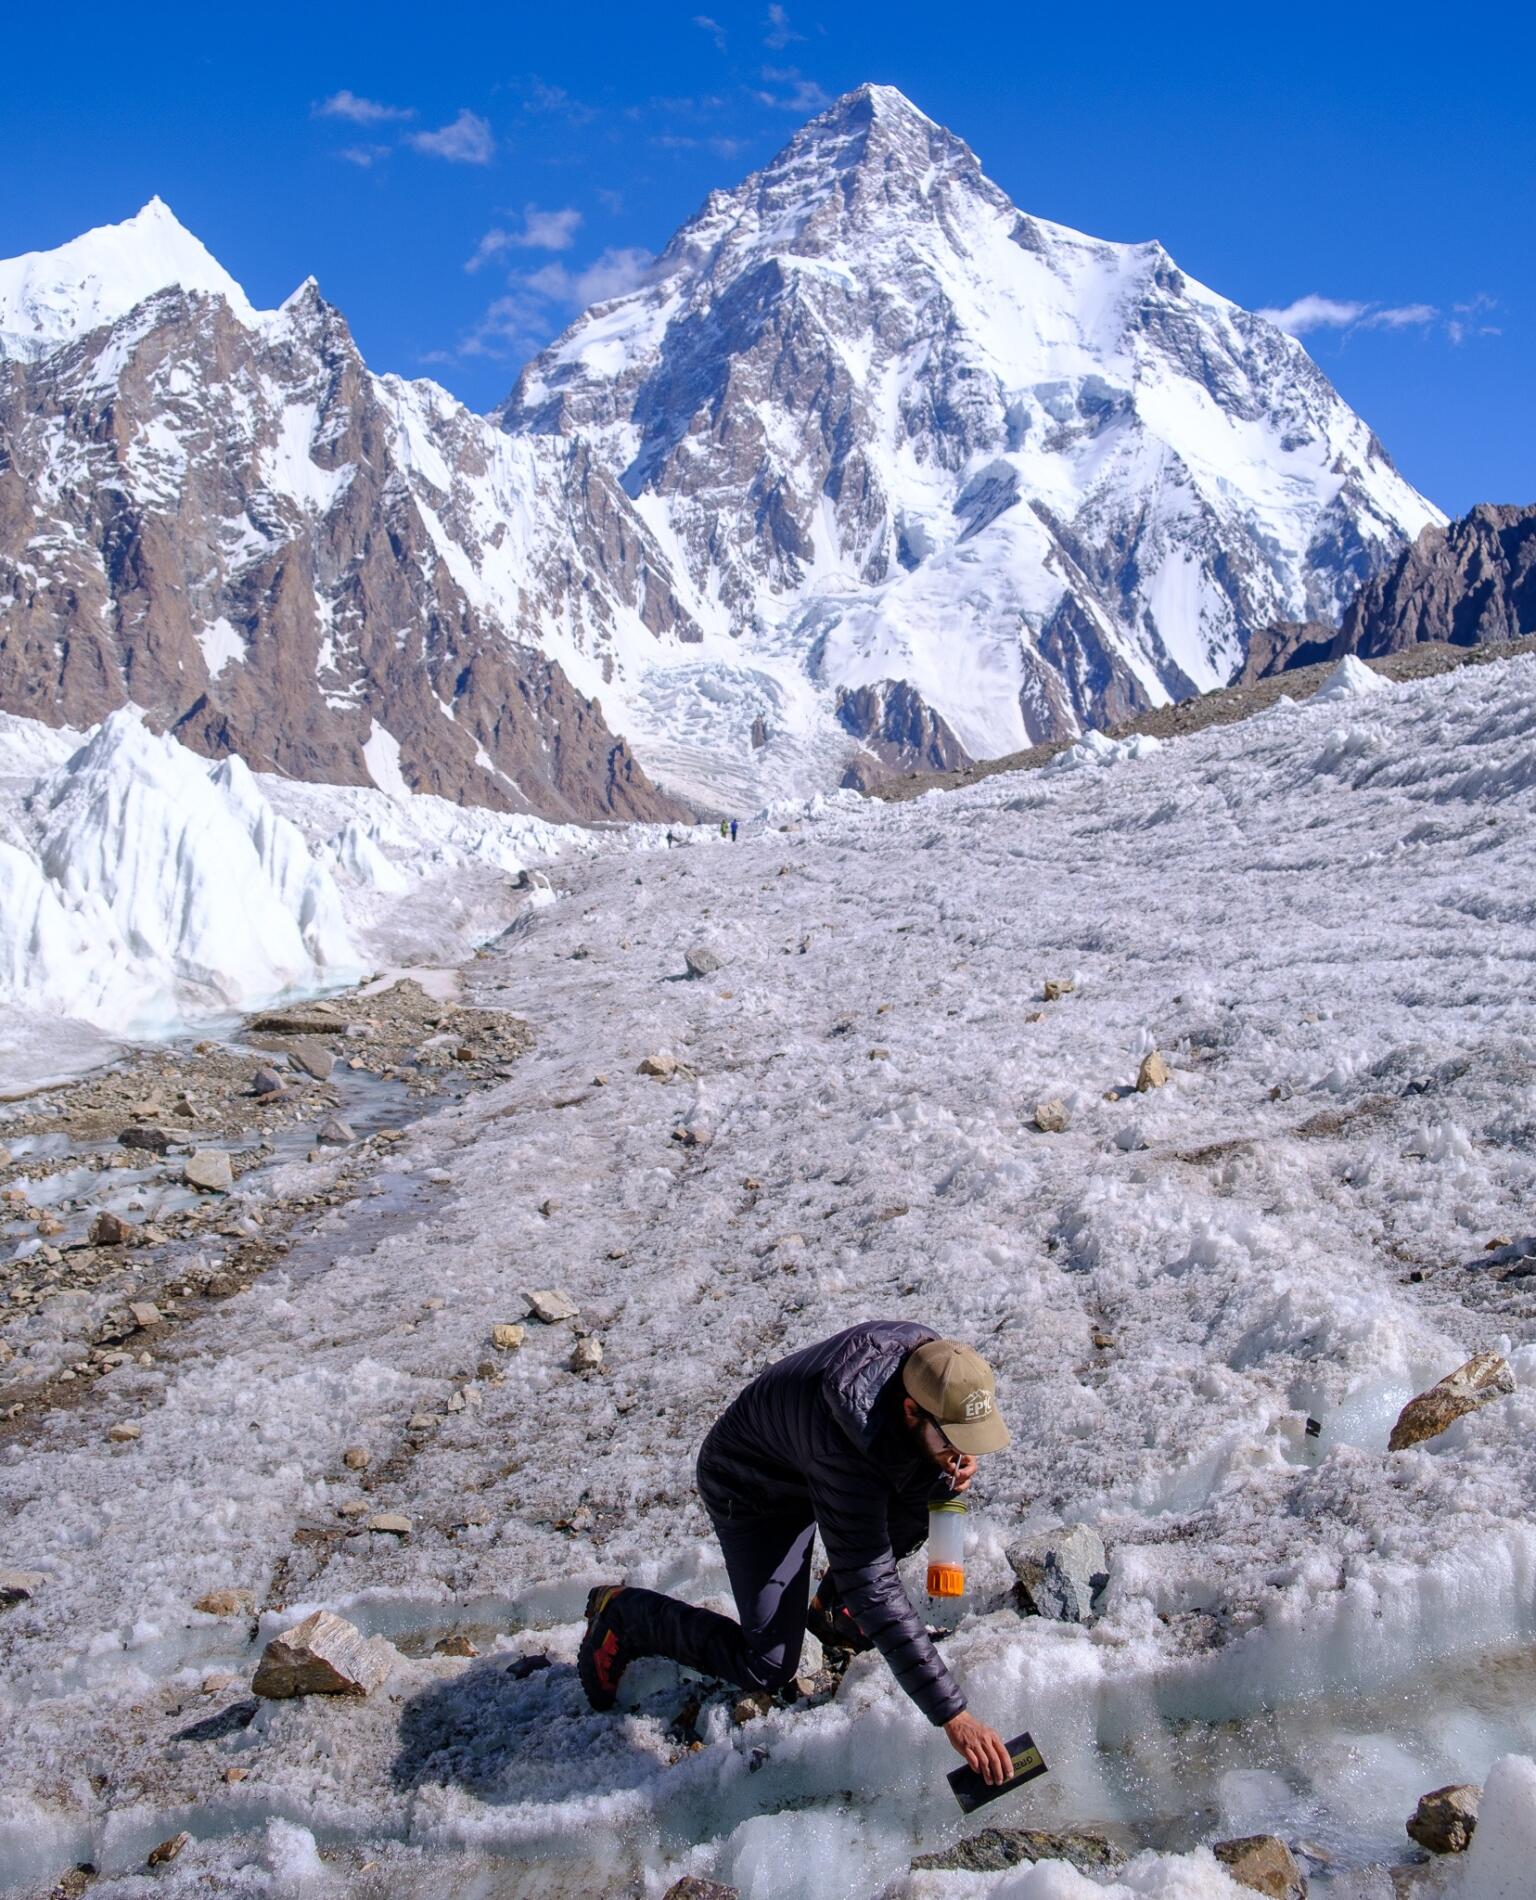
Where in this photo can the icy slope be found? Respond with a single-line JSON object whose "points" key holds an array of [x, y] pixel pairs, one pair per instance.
{"points": [[1322, 918], [896, 429], [142, 885]]}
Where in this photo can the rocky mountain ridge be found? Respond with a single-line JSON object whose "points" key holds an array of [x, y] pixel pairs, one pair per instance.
{"points": [[222, 517], [1467, 583], [875, 471]]}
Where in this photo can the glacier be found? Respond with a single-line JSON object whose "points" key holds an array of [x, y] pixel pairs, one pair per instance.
{"points": [[1321, 917]]}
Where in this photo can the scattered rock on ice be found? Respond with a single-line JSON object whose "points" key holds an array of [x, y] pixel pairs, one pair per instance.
{"points": [[1264, 1863], [355, 1458], [660, 1065], [1485, 1376], [586, 1355], [391, 1523], [691, 1887], [551, 1305], [266, 1082], [123, 1434], [527, 1666], [1061, 1572], [1057, 987], [996, 1848], [701, 960], [144, 1314], [225, 1603], [335, 1133], [153, 1140], [508, 1338], [323, 1655], [312, 1057], [169, 1849], [209, 1169], [16, 1586], [454, 1645], [1152, 1074], [1051, 1117], [1445, 1818]]}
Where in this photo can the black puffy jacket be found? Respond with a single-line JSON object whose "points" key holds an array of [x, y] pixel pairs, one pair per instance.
{"points": [[820, 1434]]}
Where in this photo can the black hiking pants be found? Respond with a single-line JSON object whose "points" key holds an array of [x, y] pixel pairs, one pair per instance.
{"points": [[768, 1560]]}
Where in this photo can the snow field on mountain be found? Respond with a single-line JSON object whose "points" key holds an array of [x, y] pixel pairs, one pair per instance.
{"points": [[1323, 919]]}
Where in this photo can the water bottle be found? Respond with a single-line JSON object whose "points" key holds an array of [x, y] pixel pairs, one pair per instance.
{"points": [[946, 1548]]}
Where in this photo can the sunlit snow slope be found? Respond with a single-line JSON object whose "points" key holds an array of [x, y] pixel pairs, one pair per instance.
{"points": [[1324, 920]]}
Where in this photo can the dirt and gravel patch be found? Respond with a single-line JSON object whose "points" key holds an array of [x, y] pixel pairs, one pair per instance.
{"points": [[107, 1249]]}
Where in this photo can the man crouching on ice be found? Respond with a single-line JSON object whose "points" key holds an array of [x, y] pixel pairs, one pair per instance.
{"points": [[852, 1437]]}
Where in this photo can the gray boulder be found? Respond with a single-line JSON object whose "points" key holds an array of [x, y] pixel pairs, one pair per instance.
{"points": [[701, 960], [1061, 1573]]}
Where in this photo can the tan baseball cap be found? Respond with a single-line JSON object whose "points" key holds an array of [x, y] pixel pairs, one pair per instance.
{"points": [[954, 1385]]}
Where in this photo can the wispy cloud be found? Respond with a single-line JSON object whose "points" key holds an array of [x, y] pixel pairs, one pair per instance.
{"points": [[802, 94], [542, 231], [1468, 319], [712, 27], [1349, 314], [780, 33], [1314, 313], [617, 271], [520, 323], [685, 142], [348, 105], [556, 102], [363, 155], [465, 140]]}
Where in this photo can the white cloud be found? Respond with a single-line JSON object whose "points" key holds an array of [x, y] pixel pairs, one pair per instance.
{"points": [[348, 105], [780, 32], [363, 155], [521, 322], [804, 95], [1314, 313], [617, 271], [465, 140], [1339, 313], [542, 231], [1403, 316], [712, 27]]}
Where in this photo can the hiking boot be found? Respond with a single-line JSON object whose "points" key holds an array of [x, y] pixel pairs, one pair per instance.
{"points": [[830, 1623], [602, 1658]]}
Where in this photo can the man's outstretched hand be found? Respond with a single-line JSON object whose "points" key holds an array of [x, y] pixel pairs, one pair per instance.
{"points": [[981, 1746]]}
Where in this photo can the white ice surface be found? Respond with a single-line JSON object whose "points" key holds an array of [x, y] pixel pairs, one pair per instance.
{"points": [[1323, 918], [143, 889]]}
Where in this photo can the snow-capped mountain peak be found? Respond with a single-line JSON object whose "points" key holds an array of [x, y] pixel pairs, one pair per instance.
{"points": [[47, 298], [939, 457]]}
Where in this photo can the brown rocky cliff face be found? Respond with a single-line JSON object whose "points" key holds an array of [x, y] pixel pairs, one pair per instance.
{"points": [[269, 550], [1465, 584]]}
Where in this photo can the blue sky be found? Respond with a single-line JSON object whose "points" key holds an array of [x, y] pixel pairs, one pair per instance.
{"points": [[461, 178]]}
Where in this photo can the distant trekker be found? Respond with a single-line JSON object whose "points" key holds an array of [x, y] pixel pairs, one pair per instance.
{"points": [[733, 831], [724, 828], [853, 1437]]}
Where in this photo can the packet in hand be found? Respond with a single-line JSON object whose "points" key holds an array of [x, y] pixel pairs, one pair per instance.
{"points": [[972, 1792]]}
